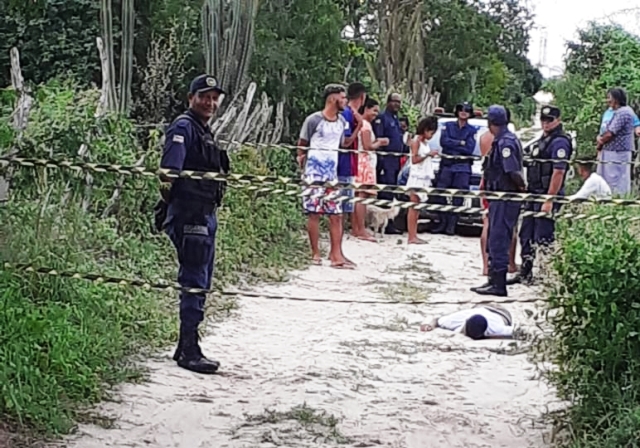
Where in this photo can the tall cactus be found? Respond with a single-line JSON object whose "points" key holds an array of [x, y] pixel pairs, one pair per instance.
{"points": [[113, 101], [126, 60], [227, 33]]}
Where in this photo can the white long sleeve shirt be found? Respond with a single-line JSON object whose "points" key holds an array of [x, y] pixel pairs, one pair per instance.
{"points": [[495, 322], [594, 186]]}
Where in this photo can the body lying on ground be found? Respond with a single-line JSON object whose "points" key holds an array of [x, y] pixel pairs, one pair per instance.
{"points": [[479, 322]]}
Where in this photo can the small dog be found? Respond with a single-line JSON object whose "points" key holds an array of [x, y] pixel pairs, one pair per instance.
{"points": [[377, 217]]}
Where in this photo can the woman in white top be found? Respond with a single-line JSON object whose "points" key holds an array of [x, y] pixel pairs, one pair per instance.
{"points": [[367, 160], [420, 171], [594, 184]]}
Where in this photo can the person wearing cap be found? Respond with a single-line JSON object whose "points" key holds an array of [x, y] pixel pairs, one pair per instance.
{"points": [[191, 206], [546, 173], [502, 172], [490, 321], [387, 125], [458, 138], [323, 134]]}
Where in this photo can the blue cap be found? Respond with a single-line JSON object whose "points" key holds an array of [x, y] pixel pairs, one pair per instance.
{"points": [[497, 116], [205, 83]]}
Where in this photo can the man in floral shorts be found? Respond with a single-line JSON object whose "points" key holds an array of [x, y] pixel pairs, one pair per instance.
{"points": [[323, 133]]}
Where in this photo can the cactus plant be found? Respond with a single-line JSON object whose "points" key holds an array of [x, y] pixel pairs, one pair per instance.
{"points": [[227, 33]]}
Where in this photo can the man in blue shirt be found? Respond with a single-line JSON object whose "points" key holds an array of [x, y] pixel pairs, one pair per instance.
{"points": [[502, 172], [348, 161], [458, 138], [191, 205], [387, 125], [546, 173]]}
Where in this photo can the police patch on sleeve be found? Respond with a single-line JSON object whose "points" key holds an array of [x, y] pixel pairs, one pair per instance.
{"points": [[562, 153], [178, 139], [506, 152]]}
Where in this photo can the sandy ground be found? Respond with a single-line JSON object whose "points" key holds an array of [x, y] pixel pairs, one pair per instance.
{"points": [[307, 374]]}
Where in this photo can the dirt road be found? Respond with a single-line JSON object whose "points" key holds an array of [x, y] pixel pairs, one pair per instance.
{"points": [[308, 374]]}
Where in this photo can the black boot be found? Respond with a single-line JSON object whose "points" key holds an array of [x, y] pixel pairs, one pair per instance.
{"points": [[452, 222], [486, 285], [442, 225], [525, 275], [391, 229], [497, 286], [189, 355]]}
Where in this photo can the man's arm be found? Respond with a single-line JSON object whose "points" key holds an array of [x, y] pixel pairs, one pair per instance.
{"points": [[452, 144], [351, 135], [512, 166], [308, 128], [470, 143], [174, 153], [560, 154], [587, 189]]}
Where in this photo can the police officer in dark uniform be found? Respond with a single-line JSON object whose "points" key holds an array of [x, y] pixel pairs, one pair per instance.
{"points": [[387, 125], [458, 138], [543, 177], [191, 222], [503, 172]]}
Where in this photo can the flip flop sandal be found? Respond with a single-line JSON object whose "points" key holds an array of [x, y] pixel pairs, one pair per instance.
{"points": [[316, 262], [420, 242], [342, 266]]}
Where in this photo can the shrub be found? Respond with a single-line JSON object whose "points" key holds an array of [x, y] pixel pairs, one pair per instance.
{"points": [[63, 341], [594, 315]]}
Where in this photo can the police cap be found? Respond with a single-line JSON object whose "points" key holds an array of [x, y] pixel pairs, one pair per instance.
{"points": [[465, 106], [497, 116], [205, 83], [549, 113]]}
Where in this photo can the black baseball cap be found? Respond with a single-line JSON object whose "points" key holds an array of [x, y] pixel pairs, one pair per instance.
{"points": [[550, 113], [205, 83]]}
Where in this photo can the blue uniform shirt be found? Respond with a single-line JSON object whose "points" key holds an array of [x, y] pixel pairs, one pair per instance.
{"points": [[560, 150], [505, 158], [345, 158], [387, 125], [458, 141], [179, 136]]}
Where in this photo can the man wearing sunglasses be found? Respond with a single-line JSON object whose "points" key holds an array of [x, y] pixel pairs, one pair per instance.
{"points": [[546, 172]]}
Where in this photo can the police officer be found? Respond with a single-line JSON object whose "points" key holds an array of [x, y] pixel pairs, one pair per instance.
{"points": [[191, 222], [387, 126], [458, 138], [543, 177], [503, 172]]}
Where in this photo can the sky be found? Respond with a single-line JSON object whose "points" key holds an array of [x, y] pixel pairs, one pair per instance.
{"points": [[560, 19]]}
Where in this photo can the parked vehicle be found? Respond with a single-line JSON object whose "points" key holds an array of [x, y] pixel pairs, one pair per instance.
{"points": [[465, 220]]}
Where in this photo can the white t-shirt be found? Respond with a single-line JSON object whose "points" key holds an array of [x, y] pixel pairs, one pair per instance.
{"points": [[326, 137], [594, 186], [495, 322]]}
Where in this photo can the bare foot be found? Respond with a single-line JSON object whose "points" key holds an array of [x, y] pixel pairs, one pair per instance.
{"points": [[316, 259], [342, 266], [365, 237], [417, 241]]}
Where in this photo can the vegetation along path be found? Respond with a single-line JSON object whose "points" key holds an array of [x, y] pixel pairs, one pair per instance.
{"points": [[308, 374]]}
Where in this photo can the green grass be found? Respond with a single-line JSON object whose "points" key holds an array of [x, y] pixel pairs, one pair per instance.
{"points": [[65, 342]]}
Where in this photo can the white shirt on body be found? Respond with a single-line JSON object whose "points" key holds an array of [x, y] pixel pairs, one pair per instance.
{"points": [[495, 322], [594, 186]]}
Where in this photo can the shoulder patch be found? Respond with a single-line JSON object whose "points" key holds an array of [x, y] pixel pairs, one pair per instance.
{"points": [[378, 120], [506, 152], [178, 139], [562, 153]]}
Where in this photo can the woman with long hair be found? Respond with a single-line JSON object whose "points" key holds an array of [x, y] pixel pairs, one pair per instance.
{"points": [[367, 160], [420, 171]]}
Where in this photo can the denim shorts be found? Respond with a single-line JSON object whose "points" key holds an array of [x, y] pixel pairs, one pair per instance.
{"points": [[347, 207]]}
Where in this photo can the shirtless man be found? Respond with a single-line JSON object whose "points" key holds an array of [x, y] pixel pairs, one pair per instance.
{"points": [[480, 322], [486, 140]]}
